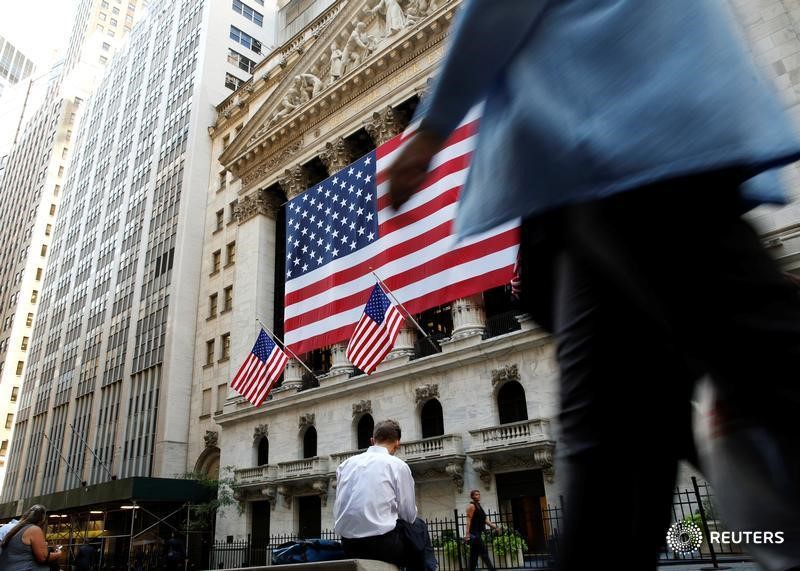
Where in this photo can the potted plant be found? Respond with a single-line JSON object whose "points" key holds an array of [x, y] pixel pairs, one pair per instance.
{"points": [[507, 548]]}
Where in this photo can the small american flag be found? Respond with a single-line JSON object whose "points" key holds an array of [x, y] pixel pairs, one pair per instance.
{"points": [[260, 371], [375, 332], [343, 228]]}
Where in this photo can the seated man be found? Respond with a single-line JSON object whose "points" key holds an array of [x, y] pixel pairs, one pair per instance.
{"points": [[375, 509]]}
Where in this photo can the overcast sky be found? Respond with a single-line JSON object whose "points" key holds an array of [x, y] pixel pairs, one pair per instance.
{"points": [[36, 27]]}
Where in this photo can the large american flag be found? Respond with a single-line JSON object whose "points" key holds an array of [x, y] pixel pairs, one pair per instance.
{"points": [[260, 371], [375, 332], [341, 230]]}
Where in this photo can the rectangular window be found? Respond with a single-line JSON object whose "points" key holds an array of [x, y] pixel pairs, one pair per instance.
{"points": [[29, 320], [228, 298], [210, 352], [53, 206], [106, 46], [43, 250], [223, 176], [226, 346], [248, 13], [56, 190], [4, 448], [231, 253], [220, 220], [64, 152], [226, 140], [20, 365], [102, 16], [113, 22], [242, 62], [9, 420], [14, 394], [232, 82], [232, 215], [104, 4], [24, 344], [206, 402], [212, 305], [245, 39], [39, 272], [222, 394], [48, 229], [215, 261], [34, 295]]}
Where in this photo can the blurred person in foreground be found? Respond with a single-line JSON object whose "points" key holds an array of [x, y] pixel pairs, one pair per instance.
{"points": [[375, 511], [622, 132], [24, 547]]}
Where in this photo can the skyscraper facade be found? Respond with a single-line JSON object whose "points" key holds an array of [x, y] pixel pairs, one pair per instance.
{"points": [[108, 375]]}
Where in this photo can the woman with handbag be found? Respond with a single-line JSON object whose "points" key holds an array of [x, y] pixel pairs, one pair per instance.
{"points": [[24, 547]]}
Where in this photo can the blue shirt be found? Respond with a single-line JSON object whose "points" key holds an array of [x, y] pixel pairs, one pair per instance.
{"points": [[588, 98]]}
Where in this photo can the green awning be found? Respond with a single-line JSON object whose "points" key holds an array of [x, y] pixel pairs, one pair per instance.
{"points": [[140, 489]]}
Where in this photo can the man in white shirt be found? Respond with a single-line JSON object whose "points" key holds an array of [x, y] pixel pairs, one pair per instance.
{"points": [[375, 511]]}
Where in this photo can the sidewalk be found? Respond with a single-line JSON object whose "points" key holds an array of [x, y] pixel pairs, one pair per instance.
{"points": [[746, 566]]}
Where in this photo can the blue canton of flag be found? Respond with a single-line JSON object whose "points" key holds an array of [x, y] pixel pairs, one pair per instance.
{"points": [[375, 332], [335, 218]]}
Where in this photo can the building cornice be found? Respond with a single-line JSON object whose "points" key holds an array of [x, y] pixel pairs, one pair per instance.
{"points": [[394, 371]]}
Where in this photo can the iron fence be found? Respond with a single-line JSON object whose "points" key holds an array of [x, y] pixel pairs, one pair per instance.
{"points": [[523, 540]]}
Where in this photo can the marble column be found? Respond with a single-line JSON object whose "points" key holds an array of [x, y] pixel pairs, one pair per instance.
{"points": [[336, 156], [469, 318], [254, 281]]}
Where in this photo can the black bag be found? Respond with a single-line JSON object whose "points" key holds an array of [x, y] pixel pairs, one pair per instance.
{"points": [[308, 550]]}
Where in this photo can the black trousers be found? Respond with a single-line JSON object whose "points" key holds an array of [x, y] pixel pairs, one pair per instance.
{"points": [[478, 549], [407, 545], [649, 290]]}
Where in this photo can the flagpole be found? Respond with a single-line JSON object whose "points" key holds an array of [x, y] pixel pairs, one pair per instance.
{"points": [[285, 348], [408, 314]]}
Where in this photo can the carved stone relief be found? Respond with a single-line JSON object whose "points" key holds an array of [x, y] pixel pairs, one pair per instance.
{"points": [[211, 438], [255, 203], [294, 181], [260, 431], [262, 170], [426, 392], [362, 407], [507, 373], [336, 155], [306, 420], [384, 125]]}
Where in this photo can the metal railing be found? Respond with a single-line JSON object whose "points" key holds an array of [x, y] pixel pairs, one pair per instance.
{"points": [[524, 540]]}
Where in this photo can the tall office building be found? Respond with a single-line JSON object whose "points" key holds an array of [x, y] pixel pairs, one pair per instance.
{"points": [[109, 370], [48, 110], [15, 68], [14, 65], [45, 113]]}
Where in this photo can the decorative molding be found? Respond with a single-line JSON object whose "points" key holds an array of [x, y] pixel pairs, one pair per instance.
{"points": [[426, 392], [305, 420], [362, 407], [456, 472], [260, 431], [504, 375], [263, 169], [294, 181], [484, 469], [286, 494], [320, 487], [384, 125], [211, 438], [270, 493], [336, 155], [256, 203]]}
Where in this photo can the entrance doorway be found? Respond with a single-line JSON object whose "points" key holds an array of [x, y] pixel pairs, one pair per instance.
{"points": [[309, 510], [259, 522], [522, 495]]}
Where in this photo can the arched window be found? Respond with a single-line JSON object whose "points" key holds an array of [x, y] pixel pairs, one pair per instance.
{"points": [[366, 425], [511, 403], [310, 443], [431, 419], [263, 451]]}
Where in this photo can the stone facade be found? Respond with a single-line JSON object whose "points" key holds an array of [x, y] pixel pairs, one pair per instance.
{"points": [[304, 106]]}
